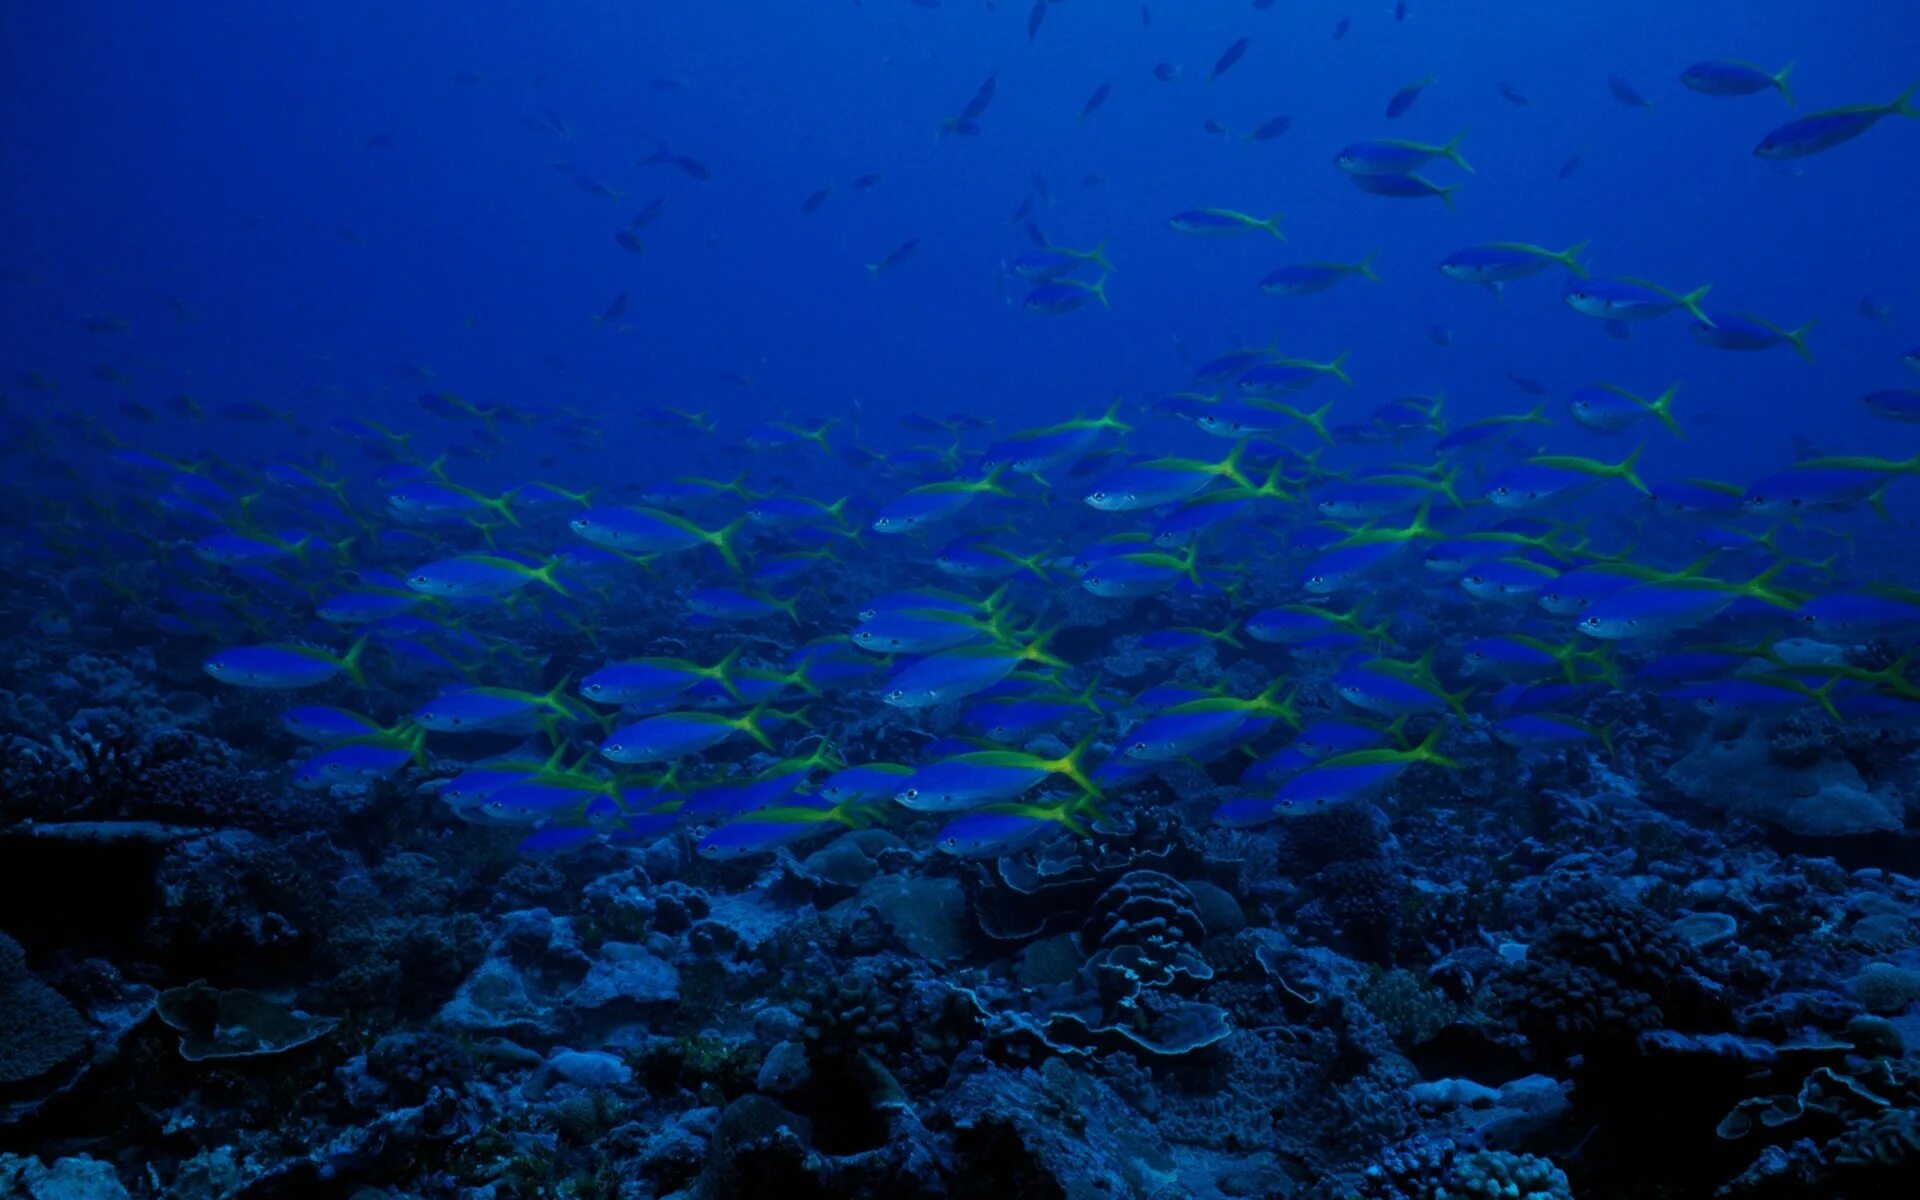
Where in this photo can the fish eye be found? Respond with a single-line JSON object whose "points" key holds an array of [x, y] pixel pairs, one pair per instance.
{"points": [[1097, 496], [595, 688], [613, 747], [896, 694]]}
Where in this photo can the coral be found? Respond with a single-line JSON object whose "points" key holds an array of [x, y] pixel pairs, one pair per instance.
{"points": [[43, 1031], [411, 1065], [81, 1178], [234, 1023], [1411, 1010], [1885, 988], [1425, 1168]]}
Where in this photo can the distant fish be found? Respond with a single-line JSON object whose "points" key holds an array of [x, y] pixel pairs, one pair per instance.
{"points": [[866, 183], [1527, 384], [1440, 335], [1166, 72], [613, 311], [1875, 310], [812, 203], [1403, 187], [1719, 78], [1627, 94], [1514, 95], [1569, 167], [1231, 55], [1269, 129], [1403, 99], [1341, 26], [1213, 126], [1833, 127], [691, 167], [1094, 101], [967, 122], [1894, 404], [899, 254], [1035, 18]]}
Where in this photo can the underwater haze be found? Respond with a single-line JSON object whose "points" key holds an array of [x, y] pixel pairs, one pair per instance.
{"points": [[1308, 599]]}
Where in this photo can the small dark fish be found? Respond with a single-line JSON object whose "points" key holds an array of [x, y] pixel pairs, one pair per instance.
{"points": [[1213, 126], [1400, 10], [866, 183], [967, 123], [692, 167], [664, 83], [1259, 4], [107, 374], [649, 214], [1037, 237], [1035, 17], [1270, 128], [899, 254], [250, 412], [613, 311], [133, 410], [1527, 384], [1341, 26], [1875, 310], [1231, 55], [1092, 181], [812, 203], [1166, 72], [627, 239], [1020, 213], [1623, 331], [1404, 98], [1627, 94], [1440, 335], [1040, 187], [593, 187], [1094, 101], [1514, 95], [1568, 167], [1146, 15]]}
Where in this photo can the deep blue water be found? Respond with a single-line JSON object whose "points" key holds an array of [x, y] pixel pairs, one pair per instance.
{"points": [[311, 217]]}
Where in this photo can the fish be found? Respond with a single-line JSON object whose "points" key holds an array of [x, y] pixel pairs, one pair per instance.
{"points": [[1740, 331], [1098, 98], [1894, 404], [1512, 94], [1497, 263], [894, 257], [1819, 132], [1624, 299], [1269, 129], [1222, 222], [1403, 99], [1228, 57], [283, 665], [1392, 157], [1627, 94], [1606, 408], [1307, 278], [1719, 77], [1405, 187]]}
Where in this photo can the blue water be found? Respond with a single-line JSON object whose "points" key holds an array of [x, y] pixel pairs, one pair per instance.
{"points": [[407, 215]]}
